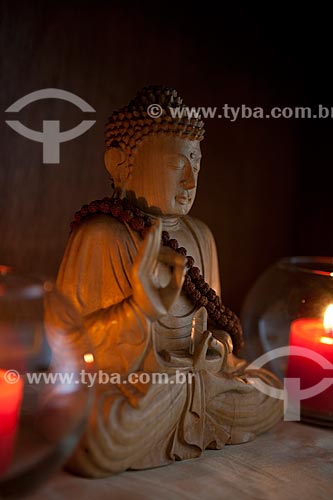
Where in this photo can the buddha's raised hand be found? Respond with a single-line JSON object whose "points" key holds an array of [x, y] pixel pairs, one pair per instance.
{"points": [[154, 265]]}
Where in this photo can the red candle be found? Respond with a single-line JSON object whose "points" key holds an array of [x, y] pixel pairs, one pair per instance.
{"points": [[10, 401], [317, 335]]}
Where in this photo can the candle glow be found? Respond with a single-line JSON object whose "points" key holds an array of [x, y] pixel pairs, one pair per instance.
{"points": [[10, 402], [328, 319], [328, 326], [89, 358], [315, 334]]}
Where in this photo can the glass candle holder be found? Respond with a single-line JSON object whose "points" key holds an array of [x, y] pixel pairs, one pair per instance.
{"points": [[291, 305], [44, 402]]}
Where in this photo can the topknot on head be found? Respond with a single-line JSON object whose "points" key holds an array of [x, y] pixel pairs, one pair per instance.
{"points": [[156, 109]]}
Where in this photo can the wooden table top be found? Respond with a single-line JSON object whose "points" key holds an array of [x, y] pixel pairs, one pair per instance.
{"points": [[291, 461]]}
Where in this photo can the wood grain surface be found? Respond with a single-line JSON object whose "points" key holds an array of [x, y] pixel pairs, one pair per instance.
{"points": [[291, 461]]}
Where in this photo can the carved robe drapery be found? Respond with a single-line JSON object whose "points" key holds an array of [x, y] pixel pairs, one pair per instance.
{"points": [[146, 425]]}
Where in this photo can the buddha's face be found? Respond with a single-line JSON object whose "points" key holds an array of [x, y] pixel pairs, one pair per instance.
{"points": [[165, 173]]}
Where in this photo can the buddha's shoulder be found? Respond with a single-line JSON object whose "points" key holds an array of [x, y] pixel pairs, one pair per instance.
{"points": [[101, 226]]}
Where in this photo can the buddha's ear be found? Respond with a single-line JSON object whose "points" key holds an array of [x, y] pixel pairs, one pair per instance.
{"points": [[116, 163]]}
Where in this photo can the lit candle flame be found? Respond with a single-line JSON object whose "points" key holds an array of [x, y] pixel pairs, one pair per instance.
{"points": [[328, 319], [89, 358], [328, 326], [326, 340]]}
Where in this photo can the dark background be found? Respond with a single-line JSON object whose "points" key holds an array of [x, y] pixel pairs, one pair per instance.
{"points": [[266, 185]]}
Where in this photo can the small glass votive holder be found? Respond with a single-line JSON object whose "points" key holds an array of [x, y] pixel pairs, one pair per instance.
{"points": [[44, 404], [288, 313]]}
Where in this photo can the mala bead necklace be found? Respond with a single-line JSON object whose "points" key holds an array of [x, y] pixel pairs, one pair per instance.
{"points": [[195, 287]]}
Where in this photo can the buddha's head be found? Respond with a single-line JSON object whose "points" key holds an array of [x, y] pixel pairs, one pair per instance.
{"points": [[155, 161]]}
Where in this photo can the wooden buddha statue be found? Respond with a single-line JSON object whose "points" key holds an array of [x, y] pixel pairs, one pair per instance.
{"points": [[144, 276]]}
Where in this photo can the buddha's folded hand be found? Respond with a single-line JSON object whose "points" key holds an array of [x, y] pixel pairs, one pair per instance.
{"points": [[211, 354]]}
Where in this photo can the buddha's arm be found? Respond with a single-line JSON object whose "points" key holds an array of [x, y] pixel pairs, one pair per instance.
{"points": [[212, 276], [95, 276], [210, 267], [120, 335], [110, 278]]}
